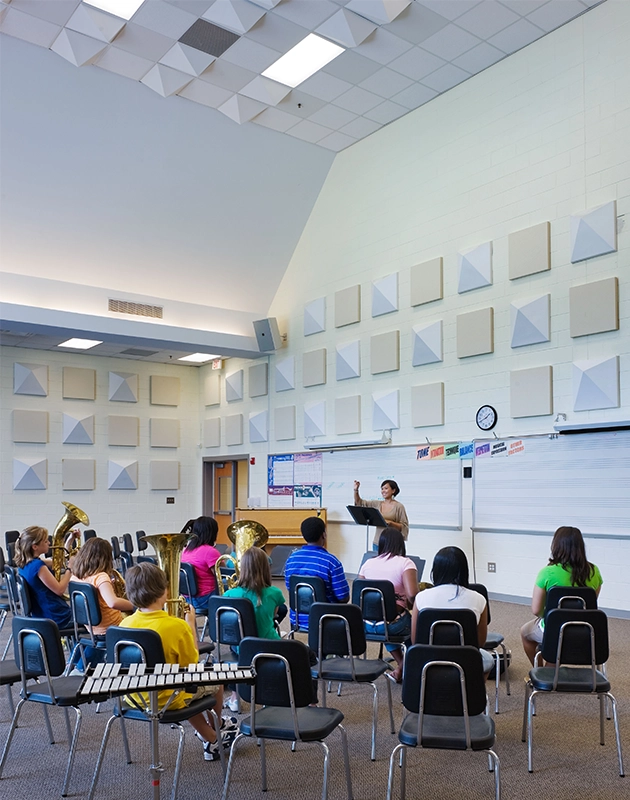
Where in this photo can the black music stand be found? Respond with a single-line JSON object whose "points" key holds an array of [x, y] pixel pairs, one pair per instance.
{"points": [[366, 515]]}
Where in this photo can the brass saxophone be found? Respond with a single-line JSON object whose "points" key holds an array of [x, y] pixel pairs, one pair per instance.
{"points": [[168, 549], [61, 549], [118, 584], [243, 534]]}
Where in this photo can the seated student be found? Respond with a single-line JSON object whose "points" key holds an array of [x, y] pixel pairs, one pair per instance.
{"points": [[201, 553], [313, 559], [391, 564], [147, 587], [46, 591]]}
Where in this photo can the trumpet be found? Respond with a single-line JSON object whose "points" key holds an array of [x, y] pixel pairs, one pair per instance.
{"points": [[243, 534], [62, 547]]}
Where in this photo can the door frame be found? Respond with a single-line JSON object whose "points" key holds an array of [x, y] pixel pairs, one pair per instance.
{"points": [[207, 481]]}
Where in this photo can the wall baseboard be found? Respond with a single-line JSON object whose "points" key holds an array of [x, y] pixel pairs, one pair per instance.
{"points": [[616, 613]]}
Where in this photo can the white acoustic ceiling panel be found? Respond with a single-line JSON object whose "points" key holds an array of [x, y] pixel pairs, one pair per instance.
{"points": [[187, 59], [79, 383], [594, 232], [258, 426], [241, 109], [385, 295], [596, 384], [385, 410], [285, 374], [531, 392], [427, 405], [315, 316], [346, 28], [284, 419], [265, 91], [259, 380], [379, 11], [427, 343], [30, 379], [30, 473], [212, 432], [426, 282], [234, 15], [315, 419], [212, 388], [234, 386], [123, 431], [530, 321], [30, 426], [348, 415], [163, 475], [92, 22], [475, 268], [164, 80], [348, 361], [78, 474], [234, 429], [122, 474], [123, 387], [77, 48], [78, 429]]}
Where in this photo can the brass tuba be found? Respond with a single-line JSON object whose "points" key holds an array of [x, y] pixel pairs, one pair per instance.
{"points": [[61, 551], [168, 549], [243, 534]]}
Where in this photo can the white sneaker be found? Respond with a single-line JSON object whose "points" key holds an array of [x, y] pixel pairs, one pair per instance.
{"points": [[232, 704]]}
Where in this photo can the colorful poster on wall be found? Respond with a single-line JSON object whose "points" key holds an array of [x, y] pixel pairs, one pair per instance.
{"points": [[294, 480], [280, 497]]}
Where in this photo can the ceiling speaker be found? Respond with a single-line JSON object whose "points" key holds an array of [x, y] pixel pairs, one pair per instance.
{"points": [[267, 334]]}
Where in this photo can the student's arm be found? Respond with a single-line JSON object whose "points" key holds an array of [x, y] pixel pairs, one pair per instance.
{"points": [[482, 627], [539, 598], [339, 584], [106, 591], [191, 619], [410, 584], [50, 582]]}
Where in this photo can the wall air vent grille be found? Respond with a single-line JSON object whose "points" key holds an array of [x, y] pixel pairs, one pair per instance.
{"points": [[138, 309]]}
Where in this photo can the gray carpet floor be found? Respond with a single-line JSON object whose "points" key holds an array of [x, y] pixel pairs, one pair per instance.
{"points": [[569, 762]]}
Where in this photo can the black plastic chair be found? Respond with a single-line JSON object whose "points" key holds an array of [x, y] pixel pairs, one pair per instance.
{"points": [[26, 606], [188, 588], [128, 544], [142, 544], [446, 626], [576, 597], [10, 538], [13, 599], [126, 561], [283, 688], [575, 641], [230, 620], [134, 646], [89, 533], [377, 601], [39, 654], [493, 642], [444, 692], [86, 614], [337, 635], [279, 556], [304, 590]]}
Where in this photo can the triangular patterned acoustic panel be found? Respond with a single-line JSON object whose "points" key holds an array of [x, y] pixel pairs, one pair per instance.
{"points": [[30, 473], [427, 344], [596, 384], [530, 321], [30, 379], [594, 233], [122, 475], [475, 268]]}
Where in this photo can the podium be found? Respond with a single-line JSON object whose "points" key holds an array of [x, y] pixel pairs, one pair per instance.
{"points": [[368, 516]]}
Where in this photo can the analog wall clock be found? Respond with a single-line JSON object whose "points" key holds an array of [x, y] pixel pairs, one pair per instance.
{"points": [[486, 418]]}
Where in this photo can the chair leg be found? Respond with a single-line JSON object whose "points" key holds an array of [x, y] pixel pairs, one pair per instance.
{"points": [[263, 765], [51, 738], [11, 703], [602, 731], [217, 728], [178, 760], [73, 749], [228, 774], [324, 747], [528, 688], [613, 703], [497, 677], [101, 756], [374, 719], [530, 731], [7, 744], [6, 647], [346, 761], [497, 774], [392, 726], [123, 729], [66, 716], [322, 692], [399, 749], [506, 671]]}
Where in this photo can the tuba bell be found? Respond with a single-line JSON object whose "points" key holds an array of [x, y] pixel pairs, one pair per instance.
{"points": [[168, 549], [61, 546], [243, 534]]}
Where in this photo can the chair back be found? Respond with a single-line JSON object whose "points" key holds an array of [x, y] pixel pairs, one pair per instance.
{"points": [[420, 564], [230, 620], [270, 657], [115, 548], [575, 637], [10, 538], [376, 599], [89, 533], [128, 543], [37, 647], [126, 561], [279, 556], [142, 544], [447, 626], [336, 629], [187, 580], [442, 696], [24, 596], [304, 590], [86, 609], [481, 589], [134, 646], [579, 597], [3, 562], [12, 590]]}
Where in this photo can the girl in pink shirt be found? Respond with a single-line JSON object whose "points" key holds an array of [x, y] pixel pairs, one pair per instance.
{"points": [[201, 553]]}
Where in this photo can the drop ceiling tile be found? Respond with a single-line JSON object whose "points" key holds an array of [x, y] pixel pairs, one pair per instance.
{"points": [[360, 127], [325, 86], [450, 9], [278, 33], [415, 96], [164, 18], [209, 38], [241, 109], [346, 28], [227, 76], [357, 100], [450, 42], [416, 23], [479, 58], [445, 78], [266, 4], [336, 141], [30, 29], [276, 120], [416, 63], [207, 94], [386, 112], [486, 19], [187, 59], [307, 13], [552, 15], [300, 104], [58, 12], [265, 90], [164, 80], [123, 63], [386, 83], [251, 55], [332, 117], [351, 67], [524, 7], [196, 7], [143, 42], [309, 131], [237, 16], [383, 46], [77, 48], [516, 36], [95, 23]]}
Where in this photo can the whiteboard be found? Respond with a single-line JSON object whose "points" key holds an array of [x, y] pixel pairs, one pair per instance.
{"points": [[429, 490], [581, 480]]}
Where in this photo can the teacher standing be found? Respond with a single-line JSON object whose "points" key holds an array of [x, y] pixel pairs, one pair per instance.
{"points": [[391, 510]]}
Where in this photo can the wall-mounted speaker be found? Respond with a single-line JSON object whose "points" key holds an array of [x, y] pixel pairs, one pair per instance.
{"points": [[267, 334]]}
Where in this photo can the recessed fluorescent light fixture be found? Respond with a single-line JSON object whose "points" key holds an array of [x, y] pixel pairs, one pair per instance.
{"points": [[80, 344], [197, 358], [303, 60], [125, 9]]}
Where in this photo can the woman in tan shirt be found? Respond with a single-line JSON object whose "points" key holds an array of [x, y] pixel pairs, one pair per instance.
{"points": [[392, 511]]}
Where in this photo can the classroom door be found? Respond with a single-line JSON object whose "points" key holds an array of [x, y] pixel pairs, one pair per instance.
{"points": [[225, 489]]}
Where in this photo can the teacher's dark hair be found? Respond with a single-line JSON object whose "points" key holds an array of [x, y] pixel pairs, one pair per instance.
{"points": [[567, 550], [393, 485], [391, 543], [204, 530], [450, 565]]}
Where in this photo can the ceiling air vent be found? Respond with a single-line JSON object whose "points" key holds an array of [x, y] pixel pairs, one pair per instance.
{"points": [[138, 309], [133, 351]]}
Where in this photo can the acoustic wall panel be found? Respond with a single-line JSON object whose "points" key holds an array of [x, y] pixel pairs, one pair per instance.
{"points": [[234, 429], [163, 475], [259, 380], [30, 379], [123, 431], [475, 333], [78, 474], [385, 352], [315, 419], [123, 387], [348, 415], [234, 386], [30, 426], [530, 321], [529, 251], [164, 432], [348, 361], [385, 295], [531, 392], [212, 388], [475, 268], [212, 432], [347, 306], [77, 429], [285, 374], [594, 307], [596, 384], [427, 405], [258, 426], [594, 232], [385, 410], [427, 343], [314, 367], [427, 282], [164, 390], [79, 383], [284, 419], [30, 473], [122, 474], [315, 316]]}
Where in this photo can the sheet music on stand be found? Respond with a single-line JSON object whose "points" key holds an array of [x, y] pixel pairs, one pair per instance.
{"points": [[368, 516]]}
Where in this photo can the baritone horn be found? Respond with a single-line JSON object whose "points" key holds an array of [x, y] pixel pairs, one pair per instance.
{"points": [[243, 534], [168, 549], [62, 545]]}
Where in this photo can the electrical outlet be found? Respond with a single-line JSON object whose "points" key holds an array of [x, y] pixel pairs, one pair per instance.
{"points": [[492, 566]]}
